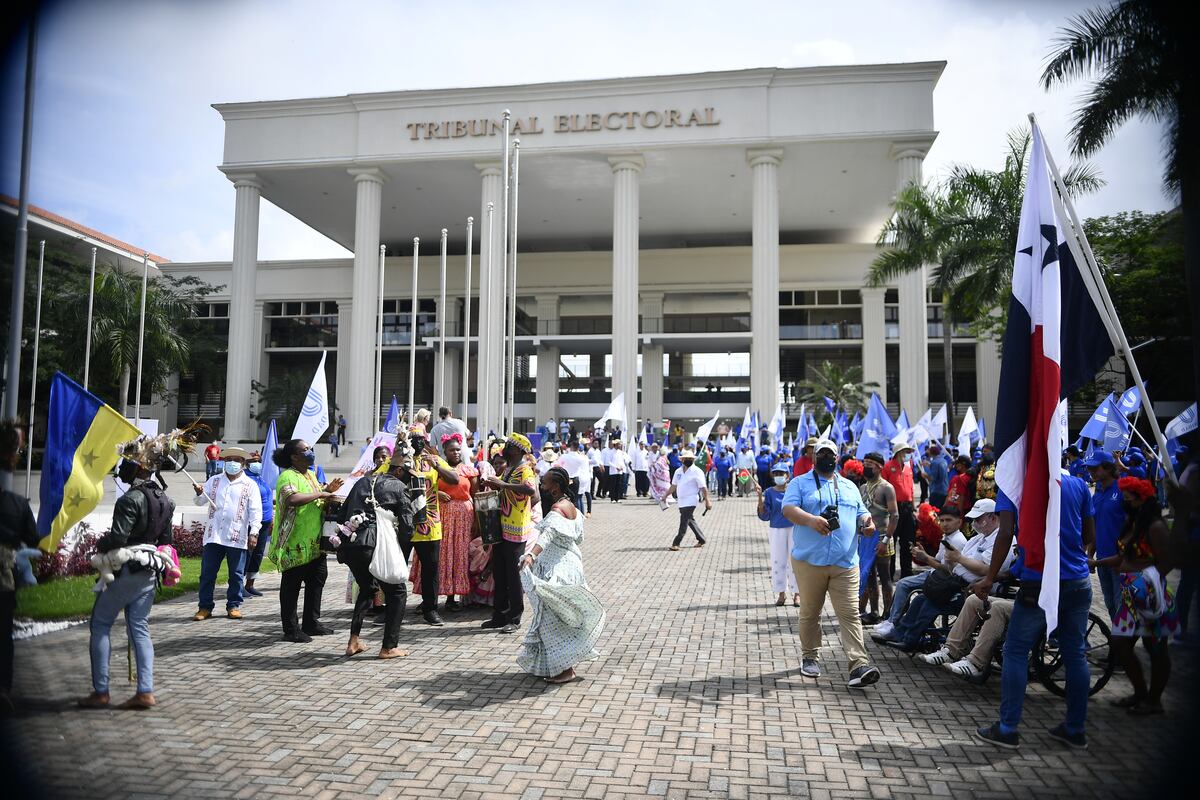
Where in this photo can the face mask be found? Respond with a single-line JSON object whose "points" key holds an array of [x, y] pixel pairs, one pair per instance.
{"points": [[780, 480], [310, 457], [870, 473], [254, 468], [687, 462], [233, 469], [825, 462]]}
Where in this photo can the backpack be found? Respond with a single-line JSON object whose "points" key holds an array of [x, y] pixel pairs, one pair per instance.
{"points": [[160, 509]]}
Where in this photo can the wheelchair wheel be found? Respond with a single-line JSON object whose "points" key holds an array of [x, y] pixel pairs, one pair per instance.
{"points": [[1048, 660]]}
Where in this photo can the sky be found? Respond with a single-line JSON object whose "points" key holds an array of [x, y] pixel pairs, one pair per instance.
{"points": [[125, 139]]}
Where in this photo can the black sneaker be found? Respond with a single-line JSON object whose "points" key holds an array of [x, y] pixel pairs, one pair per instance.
{"points": [[319, 630], [993, 735], [810, 668], [494, 623], [861, 677], [1078, 741], [511, 627], [299, 637], [432, 618], [251, 590]]}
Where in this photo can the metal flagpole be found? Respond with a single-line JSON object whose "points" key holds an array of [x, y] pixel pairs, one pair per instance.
{"points": [[87, 354], [466, 358], [37, 339], [503, 271], [379, 341], [137, 400], [412, 337], [1099, 291], [483, 389], [512, 286], [441, 325]]}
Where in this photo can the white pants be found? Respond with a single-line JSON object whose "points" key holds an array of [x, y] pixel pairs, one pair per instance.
{"points": [[782, 577]]}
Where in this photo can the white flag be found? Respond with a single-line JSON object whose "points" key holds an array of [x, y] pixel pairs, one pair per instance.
{"points": [[969, 426], [314, 416], [615, 410], [704, 430], [939, 422], [1184, 423]]}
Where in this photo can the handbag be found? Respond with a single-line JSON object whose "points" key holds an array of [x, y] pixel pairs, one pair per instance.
{"points": [[941, 587], [388, 564]]}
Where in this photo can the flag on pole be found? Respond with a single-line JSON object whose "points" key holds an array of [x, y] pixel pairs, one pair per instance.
{"points": [[801, 421], [1116, 429], [270, 472], [82, 434], [902, 422], [982, 433], [393, 418], [1055, 341], [704, 430], [830, 405], [856, 424], [940, 423], [877, 430], [1130, 401], [1183, 424], [969, 426], [314, 415], [776, 428], [747, 421], [615, 411], [1094, 427]]}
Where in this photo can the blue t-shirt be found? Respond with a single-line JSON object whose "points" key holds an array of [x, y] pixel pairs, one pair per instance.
{"points": [[773, 508], [813, 493], [938, 475], [764, 462], [724, 465], [1076, 505], [268, 504], [674, 460], [1108, 509]]}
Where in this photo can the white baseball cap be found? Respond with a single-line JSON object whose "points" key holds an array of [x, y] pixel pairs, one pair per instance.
{"points": [[981, 507], [825, 444]]}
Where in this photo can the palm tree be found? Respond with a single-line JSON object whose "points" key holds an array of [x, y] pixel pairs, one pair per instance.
{"points": [[843, 385], [1140, 50]]}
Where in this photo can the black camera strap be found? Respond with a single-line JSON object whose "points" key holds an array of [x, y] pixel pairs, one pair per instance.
{"points": [[837, 494]]}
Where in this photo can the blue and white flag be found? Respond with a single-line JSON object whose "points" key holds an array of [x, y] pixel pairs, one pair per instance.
{"points": [[1130, 401], [314, 415], [902, 422], [830, 405], [270, 472], [1184, 423], [877, 430], [1116, 430], [801, 422], [776, 428], [747, 421], [393, 418], [856, 424], [982, 433], [1094, 427]]}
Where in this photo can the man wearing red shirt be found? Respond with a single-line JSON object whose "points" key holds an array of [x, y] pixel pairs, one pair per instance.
{"points": [[898, 473], [959, 495], [805, 462], [212, 454]]}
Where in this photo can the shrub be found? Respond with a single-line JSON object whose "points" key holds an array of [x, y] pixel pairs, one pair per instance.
{"points": [[189, 541], [72, 557]]}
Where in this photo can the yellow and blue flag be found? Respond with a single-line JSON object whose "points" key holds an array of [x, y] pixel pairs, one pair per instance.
{"points": [[82, 434]]}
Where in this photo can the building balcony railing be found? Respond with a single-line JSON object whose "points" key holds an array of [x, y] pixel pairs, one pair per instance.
{"points": [[830, 330]]}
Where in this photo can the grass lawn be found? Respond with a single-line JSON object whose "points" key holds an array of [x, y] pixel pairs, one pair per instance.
{"points": [[72, 598]]}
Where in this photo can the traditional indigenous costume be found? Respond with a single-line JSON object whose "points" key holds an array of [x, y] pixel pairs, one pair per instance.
{"points": [[660, 479], [296, 550], [458, 518]]}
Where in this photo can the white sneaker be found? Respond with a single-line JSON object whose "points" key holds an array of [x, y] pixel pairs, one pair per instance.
{"points": [[882, 631], [938, 658], [963, 668]]}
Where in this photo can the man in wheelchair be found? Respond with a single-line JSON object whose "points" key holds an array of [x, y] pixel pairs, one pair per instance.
{"points": [[945, 588], [967, 659]]}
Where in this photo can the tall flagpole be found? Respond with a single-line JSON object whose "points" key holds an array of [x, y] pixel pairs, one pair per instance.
{"points": [[512, 287], [412, 337], [37, 339], [87, 353], [441, 325], [503, 270], [1099, 291], [137, 400], [379, 340], [466, 358]]}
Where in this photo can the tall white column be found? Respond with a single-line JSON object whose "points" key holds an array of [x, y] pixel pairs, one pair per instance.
{"points": [[874, 340], [914, 330], [652, 357], [341, 379], [368, 204], [547, 384], [489, 381], [627, 170], [240, 360], [764, 280], [987, 382]]}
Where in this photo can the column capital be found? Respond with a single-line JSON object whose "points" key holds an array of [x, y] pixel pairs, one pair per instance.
{"points": [[764, 155], [633, 161], [872, 291], [245, 180], [909, 148], [487, 168], [365, 174]]}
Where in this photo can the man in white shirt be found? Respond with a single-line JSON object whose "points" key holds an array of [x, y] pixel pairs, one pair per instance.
{"points": [[579, 467], [234, 518], [689, 486], [551, 429], [618, 472], [745, 460], [640, 464], [564, 430]]}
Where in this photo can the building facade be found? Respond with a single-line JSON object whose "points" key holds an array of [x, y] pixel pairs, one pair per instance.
{"points": [[696, 242]]}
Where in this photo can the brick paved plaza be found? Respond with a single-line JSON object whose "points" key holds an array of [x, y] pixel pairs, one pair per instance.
{"points": [[697, 694]]}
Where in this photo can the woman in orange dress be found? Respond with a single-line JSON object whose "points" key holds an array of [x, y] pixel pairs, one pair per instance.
{"points": [[458, 519]]}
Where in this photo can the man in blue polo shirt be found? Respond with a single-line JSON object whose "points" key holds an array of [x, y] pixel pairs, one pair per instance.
{"points": [[825, 560], [1108, 510], [1076, 537]]}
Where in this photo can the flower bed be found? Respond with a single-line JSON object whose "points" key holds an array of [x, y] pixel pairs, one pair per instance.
{"points": [[71, 558]]}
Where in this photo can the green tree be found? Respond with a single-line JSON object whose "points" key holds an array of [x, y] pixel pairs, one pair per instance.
{"points": [[1139, 52], [842, 384]]}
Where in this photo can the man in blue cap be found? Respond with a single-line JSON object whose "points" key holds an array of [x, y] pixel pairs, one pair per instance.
{"points": [[1108, 511]]}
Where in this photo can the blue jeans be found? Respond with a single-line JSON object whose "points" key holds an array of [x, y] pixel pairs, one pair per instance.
{"points": [[903, 587], [132, 592], [920, 615], [210, 562], [1024, 627], [1110, 587], [254, 557]]}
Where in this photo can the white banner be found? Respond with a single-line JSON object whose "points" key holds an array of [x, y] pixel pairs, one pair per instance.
{"points": [[314, 415]]}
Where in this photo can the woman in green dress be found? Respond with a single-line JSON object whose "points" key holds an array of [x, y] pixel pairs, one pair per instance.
{"points": [[300, 501]]}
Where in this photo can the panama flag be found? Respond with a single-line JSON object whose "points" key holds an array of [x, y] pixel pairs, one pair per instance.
{"points": [[1055, 342]]}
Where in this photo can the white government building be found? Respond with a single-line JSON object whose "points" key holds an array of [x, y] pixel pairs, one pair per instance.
{"points": [[729, 214]]}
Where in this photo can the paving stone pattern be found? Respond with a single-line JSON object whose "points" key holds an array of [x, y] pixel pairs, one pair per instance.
{"points": [[697, 694]]}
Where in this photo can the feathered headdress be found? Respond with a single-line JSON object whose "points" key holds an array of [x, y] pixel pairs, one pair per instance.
{"points": [[162, 451]]}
